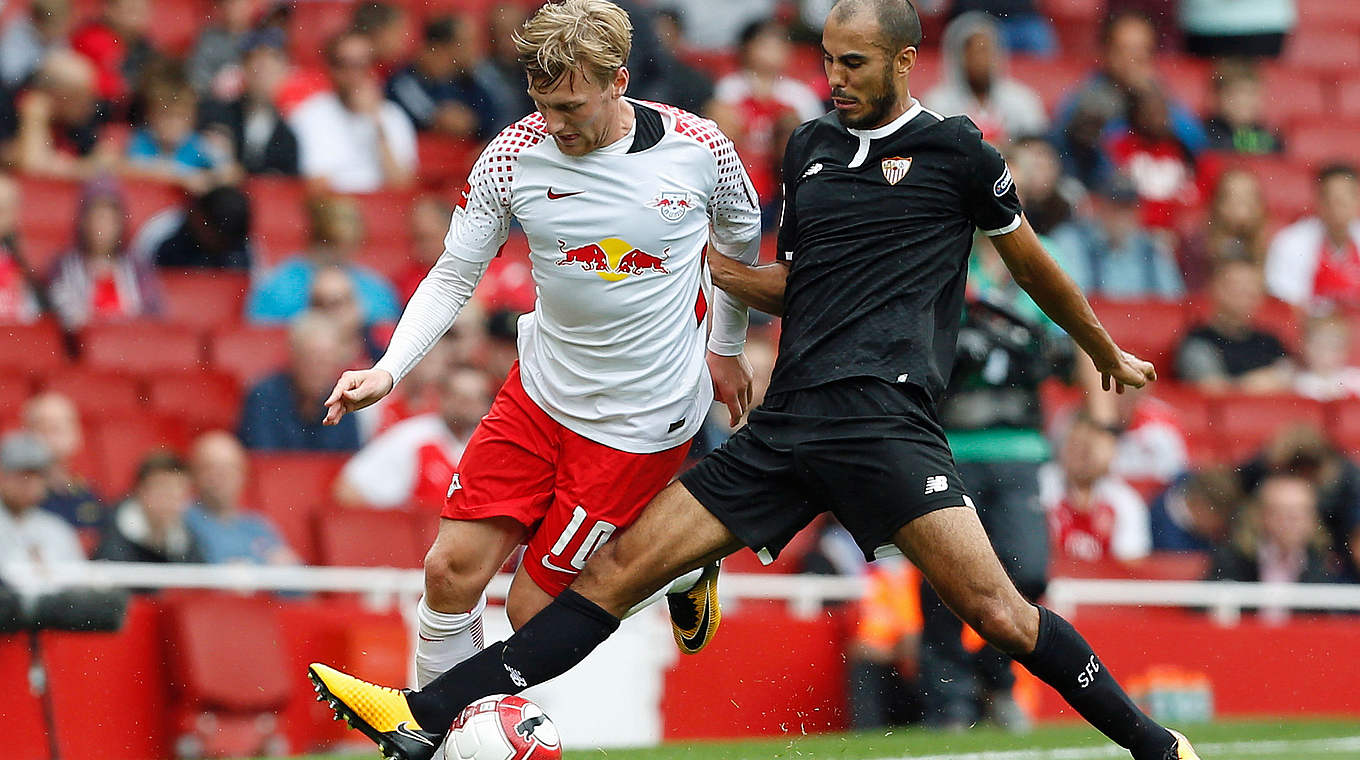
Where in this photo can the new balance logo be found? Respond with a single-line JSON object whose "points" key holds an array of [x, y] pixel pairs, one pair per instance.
{"points": [[454, 485], [936, 484], [811, 170], [1088, 675], [515, 676]]}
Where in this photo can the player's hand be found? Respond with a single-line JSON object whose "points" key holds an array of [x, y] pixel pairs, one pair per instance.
{"points": [[355, 390], [1127, 371], [732, 377]]}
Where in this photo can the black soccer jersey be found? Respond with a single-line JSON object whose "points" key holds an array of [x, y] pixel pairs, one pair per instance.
{"points": [[877, 227]]}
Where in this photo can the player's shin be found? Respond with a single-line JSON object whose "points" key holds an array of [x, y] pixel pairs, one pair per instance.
{"points": [[1064, 660], [550, 644], [679, 585], [446, 639]]}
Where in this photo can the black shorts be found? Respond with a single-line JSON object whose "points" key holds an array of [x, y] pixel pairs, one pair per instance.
{"points": [[866, 450]]}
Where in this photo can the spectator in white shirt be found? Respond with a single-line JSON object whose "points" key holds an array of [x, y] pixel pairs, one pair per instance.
{"points": [[975, 82], [414, 461], [28, 533], [354, 139], [1317, 259], [1326, 374]]}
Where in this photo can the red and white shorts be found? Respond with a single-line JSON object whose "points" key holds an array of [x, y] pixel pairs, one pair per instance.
{"points": [[569, 491]]}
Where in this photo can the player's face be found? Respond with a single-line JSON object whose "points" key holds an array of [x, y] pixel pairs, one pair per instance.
{"points": [[581, 114], [868, 83]]}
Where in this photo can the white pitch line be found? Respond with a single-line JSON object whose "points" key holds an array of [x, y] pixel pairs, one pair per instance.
{"points": [[1227, 750]]}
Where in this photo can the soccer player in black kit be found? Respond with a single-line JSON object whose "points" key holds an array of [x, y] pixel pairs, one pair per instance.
{"points": [[881, 200]]}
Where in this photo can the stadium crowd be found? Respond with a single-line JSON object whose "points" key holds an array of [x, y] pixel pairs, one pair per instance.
{"points": [[208, 210]]}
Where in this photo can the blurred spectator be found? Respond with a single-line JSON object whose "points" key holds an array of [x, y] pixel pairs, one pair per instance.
{"points": [[1128, 66], [413, 462], [1026, 30], [884, 677], [332, 296], [1093, 514], [1194, 514], [54, 420], [335, 232], [117, 45], [759, 103], [1236, 228], [1327, 374], [354, 139], [1317, 259], [430, 217], [722, 20], [1161, 166], [1237, 121], [97, 281], [1152, 449], [27, 40], [1113, 255], [1229, 352], [27, 532], [223, 529], [388, 29], [685, 86], [1048, 195], [18, 288], [501, 74], [419, 392], [215, 64], [261, 140], [1304, 451], [211, 232], [149, 526], [975, 82], [59, 128], [437, 89], [283, 412], [1278, 540], [1237, 28], [1080, 141], [167, 148]]}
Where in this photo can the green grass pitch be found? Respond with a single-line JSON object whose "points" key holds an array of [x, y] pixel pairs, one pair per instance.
{"points": [[1263, 739]]}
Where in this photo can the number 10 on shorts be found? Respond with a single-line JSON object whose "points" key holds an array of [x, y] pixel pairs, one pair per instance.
{"points": [[599, 532]]}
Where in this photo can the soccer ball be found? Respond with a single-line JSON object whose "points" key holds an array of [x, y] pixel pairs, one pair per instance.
{"points": [[502, 727]]}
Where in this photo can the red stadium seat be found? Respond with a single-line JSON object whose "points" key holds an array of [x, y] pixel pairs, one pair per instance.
{"points": [[1330, 52], [249, 353], [36, 348], [202, 399], [1149, 328], [345, 537], [98, 392], [1319, 144], [1052, 78], [386, 229], [1244, 423], [444, 161], [177, 24], [1077, 24], [118, 444], [278, 216], [313, 24], [145, 199], [1188, 80], [48, 208], [1343, 418], [142, 347], [1308, 97], [291, 488], [1348, 99], [203, 298], [14, 389], [1329, 15]]}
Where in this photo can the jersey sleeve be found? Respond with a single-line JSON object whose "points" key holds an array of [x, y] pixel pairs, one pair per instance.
{"points": [[481, 221], [733, 209], [989, 199], [788, 218]]}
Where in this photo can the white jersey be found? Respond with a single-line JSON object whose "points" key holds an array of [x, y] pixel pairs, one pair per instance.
{"points": [[614, 348]]}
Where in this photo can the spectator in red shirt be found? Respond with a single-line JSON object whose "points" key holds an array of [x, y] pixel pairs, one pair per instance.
{"points": [[116, 44], [97, 281], [1317, 259], [1093, 514], [1161, 166], [1151, 450]]}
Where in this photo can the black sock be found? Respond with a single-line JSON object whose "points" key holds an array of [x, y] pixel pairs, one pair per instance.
{"points": [[1062, 659], [550, 644]]}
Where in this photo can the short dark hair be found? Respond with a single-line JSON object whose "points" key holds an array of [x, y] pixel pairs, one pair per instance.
{"points": [[159, 462], [898, 23], [441, 30], [1332, 171], [372, 16]]}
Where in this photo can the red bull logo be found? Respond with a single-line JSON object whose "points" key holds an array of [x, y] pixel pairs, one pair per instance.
{"points": [[672, 205], [613, 259]]}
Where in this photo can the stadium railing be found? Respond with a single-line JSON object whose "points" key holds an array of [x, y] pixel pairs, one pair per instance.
{"points": [[805, 594]]}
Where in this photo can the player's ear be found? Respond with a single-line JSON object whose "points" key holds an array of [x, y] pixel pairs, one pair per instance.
{"points": [[620, 84], [905, 60]]}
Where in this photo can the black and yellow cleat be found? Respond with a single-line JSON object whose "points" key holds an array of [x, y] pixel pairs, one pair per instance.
{"points": [[695, 614], [1183, 749], [380, 713]]}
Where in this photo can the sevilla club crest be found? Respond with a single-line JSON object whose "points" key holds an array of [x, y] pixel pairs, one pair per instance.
{"points": [[894, 169]]}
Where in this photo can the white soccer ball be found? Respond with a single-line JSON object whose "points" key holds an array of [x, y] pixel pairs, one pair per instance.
{"points": [[502, 727]]}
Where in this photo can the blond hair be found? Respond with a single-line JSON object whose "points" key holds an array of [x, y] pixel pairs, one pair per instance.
{"points": [[592, 36]]}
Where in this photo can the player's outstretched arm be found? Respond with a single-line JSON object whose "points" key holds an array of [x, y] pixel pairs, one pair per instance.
{"points": [[760, 287], [1061, 299]]}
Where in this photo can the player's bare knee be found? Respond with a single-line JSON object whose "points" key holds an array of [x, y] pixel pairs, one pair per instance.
{"points": [[1003, 623], [452, 584]]}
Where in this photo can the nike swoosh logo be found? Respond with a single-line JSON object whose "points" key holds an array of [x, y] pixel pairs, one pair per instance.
{"points": [[701, 629], [549, 564], [558, 196], [408, 733]]}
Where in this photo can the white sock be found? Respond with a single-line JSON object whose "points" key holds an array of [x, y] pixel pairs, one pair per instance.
{"points": [[679, 585], [445, 639]]}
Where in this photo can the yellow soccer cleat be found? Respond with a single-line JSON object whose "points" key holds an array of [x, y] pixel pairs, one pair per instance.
{"points": [[380, 713], [1183, 749], [695, 614]]}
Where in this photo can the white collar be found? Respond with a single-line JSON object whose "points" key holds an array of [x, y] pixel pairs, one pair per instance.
{"points": [[892, 126]]}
